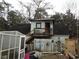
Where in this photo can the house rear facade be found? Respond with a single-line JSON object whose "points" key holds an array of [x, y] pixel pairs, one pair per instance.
{"points": [[44, 39]]}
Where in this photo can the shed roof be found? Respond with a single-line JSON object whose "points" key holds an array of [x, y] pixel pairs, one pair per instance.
{"points": [[11, 32]]}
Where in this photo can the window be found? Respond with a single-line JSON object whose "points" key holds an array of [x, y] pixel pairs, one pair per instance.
{"points": [[38, 25], [4, 55], [16, 53], [11, 55], [17, 41], [5, 42], [12, 42]]}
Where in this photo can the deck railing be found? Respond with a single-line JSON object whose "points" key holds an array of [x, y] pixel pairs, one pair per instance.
{"points": [[41, 31]]}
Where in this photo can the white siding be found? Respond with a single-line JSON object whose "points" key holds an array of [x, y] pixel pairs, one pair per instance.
{"points": [[42, 24], [52, 46], [51, 28], [41, 44], [33, 25], [60, 37]]}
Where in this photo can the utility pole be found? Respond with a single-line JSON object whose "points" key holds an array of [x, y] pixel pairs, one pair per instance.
{"points": [[78, 30]]}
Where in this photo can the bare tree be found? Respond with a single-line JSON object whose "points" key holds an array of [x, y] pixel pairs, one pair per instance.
{"points": [[37, 7], [27, 7], [42, 4], [72, 6]]}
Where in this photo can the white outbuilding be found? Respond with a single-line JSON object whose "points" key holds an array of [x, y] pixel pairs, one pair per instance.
{"points": [[12, 45]]}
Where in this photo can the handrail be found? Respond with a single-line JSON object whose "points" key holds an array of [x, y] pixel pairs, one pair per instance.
{"points": [[41, 31]]}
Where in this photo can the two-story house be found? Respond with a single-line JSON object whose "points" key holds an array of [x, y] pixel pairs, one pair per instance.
{"points": [[42, 31], [42, 28]]}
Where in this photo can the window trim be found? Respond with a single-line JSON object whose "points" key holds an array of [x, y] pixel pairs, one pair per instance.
{"points": [[38, 24]]}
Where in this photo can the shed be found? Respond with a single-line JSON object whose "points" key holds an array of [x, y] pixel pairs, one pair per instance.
{"points": [[12, 45]]}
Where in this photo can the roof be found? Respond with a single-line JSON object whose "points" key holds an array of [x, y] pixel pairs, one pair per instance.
{"points": [[11, 32], [47, 19]]}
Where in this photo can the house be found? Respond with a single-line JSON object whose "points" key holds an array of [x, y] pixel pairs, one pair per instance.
{"points": [[42, 28], [43, 36], [12, 45]]}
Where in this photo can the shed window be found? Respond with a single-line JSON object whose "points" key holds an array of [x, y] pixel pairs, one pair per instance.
{"points": [[4, 55], [11, 54], [12, 42], [5, 42]]}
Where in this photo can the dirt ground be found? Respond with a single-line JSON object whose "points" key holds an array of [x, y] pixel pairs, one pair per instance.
{"points": [[52, 56]]}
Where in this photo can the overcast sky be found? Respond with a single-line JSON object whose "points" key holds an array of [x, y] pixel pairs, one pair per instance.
{"points": [[58, 5]]}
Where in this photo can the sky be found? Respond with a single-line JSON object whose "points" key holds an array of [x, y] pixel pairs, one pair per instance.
{"points": [[58, 5]]}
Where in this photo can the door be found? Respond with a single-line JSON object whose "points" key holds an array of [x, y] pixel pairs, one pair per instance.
{"points": [[22, 47], [47, 27]]}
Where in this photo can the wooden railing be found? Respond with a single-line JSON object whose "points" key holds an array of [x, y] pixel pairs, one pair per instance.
{"points": [[41, 31]]}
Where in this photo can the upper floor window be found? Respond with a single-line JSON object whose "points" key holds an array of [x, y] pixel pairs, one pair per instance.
{"points": [[38, 25]]}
